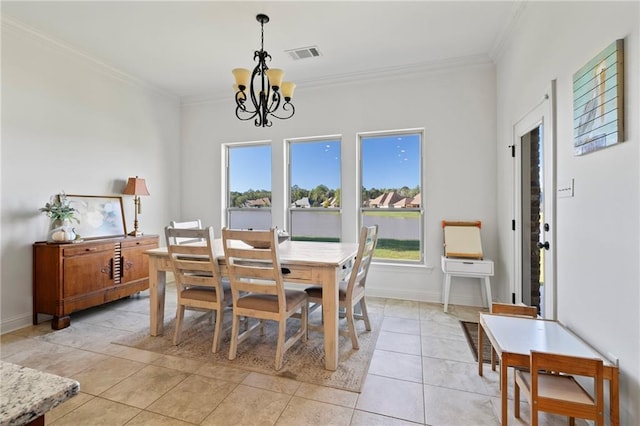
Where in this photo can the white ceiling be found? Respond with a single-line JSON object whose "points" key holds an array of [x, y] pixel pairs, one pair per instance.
{"points": [[189, 48]]}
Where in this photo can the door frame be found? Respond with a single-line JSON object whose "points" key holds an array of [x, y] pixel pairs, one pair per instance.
{"points": [[541, 114]]}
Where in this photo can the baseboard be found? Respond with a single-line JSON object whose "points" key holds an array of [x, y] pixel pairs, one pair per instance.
{"points": [[419, 296], [17, 322], [422, 296]]}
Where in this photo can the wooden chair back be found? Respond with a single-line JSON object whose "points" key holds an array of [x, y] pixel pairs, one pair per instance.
{"points": [[366, 246], [514, 310], [189, 224], [251, 269], [559, 392], [193, 265]]}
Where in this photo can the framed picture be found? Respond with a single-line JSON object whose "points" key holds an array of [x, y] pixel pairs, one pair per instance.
{"points": [[598, 101], [100, 216]]}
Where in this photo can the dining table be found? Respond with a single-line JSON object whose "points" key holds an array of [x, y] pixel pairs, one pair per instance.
{"points": [[513, 339], [302, 262]]}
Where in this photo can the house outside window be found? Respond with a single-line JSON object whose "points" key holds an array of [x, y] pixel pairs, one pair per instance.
{"points": [[391, 196], [314, 189], [248, 169]]}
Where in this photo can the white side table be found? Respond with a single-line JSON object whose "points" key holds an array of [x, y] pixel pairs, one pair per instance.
{"points": [[471, 268]]}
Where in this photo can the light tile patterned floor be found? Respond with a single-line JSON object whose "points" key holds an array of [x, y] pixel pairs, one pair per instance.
{"points": [[422, 372]]}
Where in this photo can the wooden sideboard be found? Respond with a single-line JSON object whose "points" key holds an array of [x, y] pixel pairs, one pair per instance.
{"points": [[71, 277]]}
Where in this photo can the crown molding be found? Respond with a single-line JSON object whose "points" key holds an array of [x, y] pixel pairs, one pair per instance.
{"points": [[362, 77], [500, 44], [22, 30]]}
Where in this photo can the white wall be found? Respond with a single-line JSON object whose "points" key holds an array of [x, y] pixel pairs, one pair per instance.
{"points": [[598, 239], [455, 106], [71, 124]]}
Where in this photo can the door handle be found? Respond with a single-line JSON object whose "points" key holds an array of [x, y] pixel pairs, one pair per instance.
{"points": [[544, 245]]}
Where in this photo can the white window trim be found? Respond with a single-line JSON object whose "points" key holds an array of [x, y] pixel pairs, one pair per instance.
{"points": [[359, 219]]}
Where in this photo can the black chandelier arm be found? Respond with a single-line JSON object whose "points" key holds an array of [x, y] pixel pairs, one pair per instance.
{"points": [[241, 108], [241, 97], [285, 107], [246, 118], [275, 102]]}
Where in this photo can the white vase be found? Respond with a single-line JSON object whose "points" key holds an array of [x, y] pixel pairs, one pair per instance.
{"points": [[61, 232]]}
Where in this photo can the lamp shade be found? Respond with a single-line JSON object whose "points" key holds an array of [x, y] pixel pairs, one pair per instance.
{"points": [[136, 186], [242, 76], [287, 89], [275, 77]]}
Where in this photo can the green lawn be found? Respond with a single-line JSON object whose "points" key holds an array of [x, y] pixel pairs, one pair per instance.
{"points": [[386, 248], [397, 249]]}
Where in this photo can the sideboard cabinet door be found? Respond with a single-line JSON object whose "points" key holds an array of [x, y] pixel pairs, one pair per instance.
{"points": [[87, 272]]}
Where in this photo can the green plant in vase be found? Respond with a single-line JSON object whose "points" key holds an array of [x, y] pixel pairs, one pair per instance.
{"points": [[61, 215]]}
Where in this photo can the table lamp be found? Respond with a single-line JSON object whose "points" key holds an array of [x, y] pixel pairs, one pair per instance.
{"points": [[136, 186]]}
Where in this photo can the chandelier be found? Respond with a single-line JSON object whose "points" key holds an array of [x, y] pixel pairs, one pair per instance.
{"points": [[263, 87]]}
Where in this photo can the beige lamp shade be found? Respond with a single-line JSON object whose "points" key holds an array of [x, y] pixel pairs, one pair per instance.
{"points": [[275, 77], [136, 186], [287, 89], [242, 76]]}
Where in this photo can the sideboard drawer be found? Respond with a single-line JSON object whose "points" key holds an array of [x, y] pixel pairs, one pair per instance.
{"points": [[87, 248], [473, 267]]}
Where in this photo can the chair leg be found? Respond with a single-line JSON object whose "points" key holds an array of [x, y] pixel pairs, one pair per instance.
{"points": [[572, 421], [217, 333], [365, 314], [352, 327], [516, 397], [233, 345], [177, 335], [282, 329], [305, 322], [493, 359]]}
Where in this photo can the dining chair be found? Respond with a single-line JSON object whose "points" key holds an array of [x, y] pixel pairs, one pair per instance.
{"points": [[351, 291], [511, 310], [188, 224], [258, 291], [199, 284], [559, 392]]}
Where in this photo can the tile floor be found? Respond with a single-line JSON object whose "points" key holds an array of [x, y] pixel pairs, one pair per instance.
{"points": [[422, 372]]}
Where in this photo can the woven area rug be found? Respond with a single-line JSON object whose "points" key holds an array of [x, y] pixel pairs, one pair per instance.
{"points": [[471, 333], [304, 361]]}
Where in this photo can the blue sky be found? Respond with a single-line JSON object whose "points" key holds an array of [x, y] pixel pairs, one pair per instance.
{"points": [[315, 163], [391, 161], [388, 162], [250, 168]]}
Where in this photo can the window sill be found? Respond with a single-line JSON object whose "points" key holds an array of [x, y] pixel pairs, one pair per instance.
{"points": [[403, 266]]}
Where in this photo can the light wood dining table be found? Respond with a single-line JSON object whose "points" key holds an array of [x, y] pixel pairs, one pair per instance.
{"points": [[514, 338], [303, 262]]}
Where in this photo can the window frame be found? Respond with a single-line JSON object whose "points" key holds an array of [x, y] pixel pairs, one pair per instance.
{"points": [[288, 184], [228, 209], [421, 211]]}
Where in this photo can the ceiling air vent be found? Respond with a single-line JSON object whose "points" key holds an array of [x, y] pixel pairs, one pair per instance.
{"points": [[304, 52]]}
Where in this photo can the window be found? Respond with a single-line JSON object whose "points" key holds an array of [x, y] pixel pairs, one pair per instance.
{"points": [[391, 176], [249, 186], [314, 190]]}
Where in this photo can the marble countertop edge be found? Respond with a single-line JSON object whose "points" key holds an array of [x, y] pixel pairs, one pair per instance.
{"points": [[26, 394]]}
